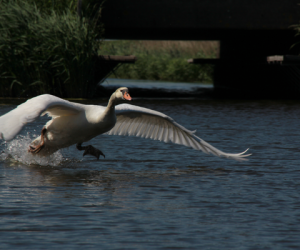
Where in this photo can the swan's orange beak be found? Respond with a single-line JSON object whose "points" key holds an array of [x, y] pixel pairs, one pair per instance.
{"points": [[127, 96]]}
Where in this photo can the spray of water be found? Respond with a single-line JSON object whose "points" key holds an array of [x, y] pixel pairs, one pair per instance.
{"points": [[17, 150]]}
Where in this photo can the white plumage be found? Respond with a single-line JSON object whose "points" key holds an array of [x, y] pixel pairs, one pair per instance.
{"points": [[74, 123]]}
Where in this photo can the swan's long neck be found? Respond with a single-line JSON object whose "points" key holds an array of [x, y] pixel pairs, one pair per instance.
{"points": [[111, 104], [107, 119], [109, 113]]}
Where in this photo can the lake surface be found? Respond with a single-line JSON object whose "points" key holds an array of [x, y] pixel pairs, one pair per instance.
{"points": [[148, 84], [150, 195]]}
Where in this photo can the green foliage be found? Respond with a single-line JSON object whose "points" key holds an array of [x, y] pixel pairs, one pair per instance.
{"points": [[59, 6], [46, 52], [164, 64]]}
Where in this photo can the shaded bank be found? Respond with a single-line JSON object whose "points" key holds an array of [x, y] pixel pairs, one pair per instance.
{"points": [[163, 60], [139, 89]]}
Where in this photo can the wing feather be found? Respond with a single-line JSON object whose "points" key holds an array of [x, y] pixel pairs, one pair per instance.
{"points": [[166, 134], [145, 128], [149, 132], [177, 137], [116, 128], [133, 126], [155, 131], [13, 122], [138, 130], [170, 135], [141, 129], [146, 123], [160, 131]]}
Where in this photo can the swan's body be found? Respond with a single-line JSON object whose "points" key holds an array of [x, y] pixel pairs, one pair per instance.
{"points": [[74, 123]]}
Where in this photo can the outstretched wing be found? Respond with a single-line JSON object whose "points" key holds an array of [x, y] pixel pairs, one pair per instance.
{"points": [[13, 122], [146, 123]]}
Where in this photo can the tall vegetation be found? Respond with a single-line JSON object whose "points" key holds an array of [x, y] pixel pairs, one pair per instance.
{"points": [[47, 51], [164, 60]]}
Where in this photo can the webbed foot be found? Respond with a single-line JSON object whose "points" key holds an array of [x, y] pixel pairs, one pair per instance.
{"points": [[34, 149], [90, 150]]}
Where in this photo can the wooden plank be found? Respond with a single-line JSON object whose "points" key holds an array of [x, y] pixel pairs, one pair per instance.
{"points": [[276, 59], [284, 59]]}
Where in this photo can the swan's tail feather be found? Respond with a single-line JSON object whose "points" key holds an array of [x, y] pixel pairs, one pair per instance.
{"points": [[211, 149]]}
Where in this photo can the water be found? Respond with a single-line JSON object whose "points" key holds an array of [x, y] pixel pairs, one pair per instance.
{"points": [[151, 195], [144, 84]]}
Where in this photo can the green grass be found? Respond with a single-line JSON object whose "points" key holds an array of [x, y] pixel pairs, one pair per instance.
{"points": [[163, 60], [46, 51]]}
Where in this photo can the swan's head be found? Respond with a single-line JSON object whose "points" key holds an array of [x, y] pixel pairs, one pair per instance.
{"points": [[122, 94]]}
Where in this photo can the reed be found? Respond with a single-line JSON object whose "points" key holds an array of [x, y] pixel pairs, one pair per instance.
{"points": [[46, 51], [59, 6], [164, 60]]}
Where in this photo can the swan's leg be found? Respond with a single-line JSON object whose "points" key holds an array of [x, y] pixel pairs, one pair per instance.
{"points": [[90, 150], [35, 149]]}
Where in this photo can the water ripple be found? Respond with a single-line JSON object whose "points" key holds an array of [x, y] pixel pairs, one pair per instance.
{"points": [[151, 195]]}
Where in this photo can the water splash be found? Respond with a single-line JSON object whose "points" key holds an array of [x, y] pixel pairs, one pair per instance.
{"points": [[17, 150]]}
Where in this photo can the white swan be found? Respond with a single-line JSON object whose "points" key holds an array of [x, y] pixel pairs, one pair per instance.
{"points": [[74, 123]]}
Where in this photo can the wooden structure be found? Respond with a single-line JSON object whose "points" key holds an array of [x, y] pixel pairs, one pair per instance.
{"points": [[248, 31], [107, 64], [275, 76]]}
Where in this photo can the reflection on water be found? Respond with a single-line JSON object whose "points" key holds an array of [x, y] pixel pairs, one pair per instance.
{"points": [[151, 195]]}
